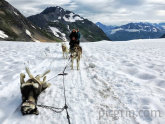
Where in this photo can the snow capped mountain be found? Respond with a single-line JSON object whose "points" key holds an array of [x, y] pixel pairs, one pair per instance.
{"points": [[147, 27], [60, 22], [14, 26], [135, 31], [58, 14]]}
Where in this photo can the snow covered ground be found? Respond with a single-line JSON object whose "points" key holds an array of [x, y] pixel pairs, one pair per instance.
{"points": [[118, 82]]}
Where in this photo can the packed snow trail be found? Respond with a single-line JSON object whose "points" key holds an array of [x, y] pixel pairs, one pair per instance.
{"points": [[113, 77]]}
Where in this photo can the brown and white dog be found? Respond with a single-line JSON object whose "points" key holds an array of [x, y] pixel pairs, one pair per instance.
{"points": [[64, 50], [76, 53], [30, 90]]}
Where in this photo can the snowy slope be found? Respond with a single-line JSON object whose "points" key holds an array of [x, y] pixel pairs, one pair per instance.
{"points": [[114, 77], [3, 35]]}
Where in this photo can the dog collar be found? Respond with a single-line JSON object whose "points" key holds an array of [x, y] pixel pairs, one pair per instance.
{"points": [[30, 102]]}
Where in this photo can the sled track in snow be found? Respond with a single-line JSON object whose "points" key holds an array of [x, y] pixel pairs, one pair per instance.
{"points": [[109, 79]]}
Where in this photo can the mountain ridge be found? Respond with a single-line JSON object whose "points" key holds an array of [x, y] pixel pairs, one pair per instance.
{"points": [[61, 22], [130, 31], [14, 26]]}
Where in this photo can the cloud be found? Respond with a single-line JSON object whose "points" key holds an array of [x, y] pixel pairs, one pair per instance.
{"points": [[115, 12], [131, 2], [31, 7]]}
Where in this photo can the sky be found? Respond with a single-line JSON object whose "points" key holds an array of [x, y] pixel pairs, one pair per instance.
{"points": [[108, 12]]}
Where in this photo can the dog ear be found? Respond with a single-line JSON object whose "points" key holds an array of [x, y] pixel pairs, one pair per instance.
{"points": [[22, 77]]}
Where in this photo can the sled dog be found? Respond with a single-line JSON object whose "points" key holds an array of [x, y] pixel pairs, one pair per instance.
{"points": [[76, 53], [64, 50], [30, 90]]}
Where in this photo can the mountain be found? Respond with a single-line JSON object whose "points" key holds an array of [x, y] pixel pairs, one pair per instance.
{"points": [[14, 26], [104, 27], [61, 22], [132, 31], [162, 24], [163, 36]]}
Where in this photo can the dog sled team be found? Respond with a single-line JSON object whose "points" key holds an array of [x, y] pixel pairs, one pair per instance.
{"points": [[33, 87], [75, 49]]}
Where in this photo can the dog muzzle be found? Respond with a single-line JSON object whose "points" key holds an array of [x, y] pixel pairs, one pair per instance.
{"points": [[28, 107]]}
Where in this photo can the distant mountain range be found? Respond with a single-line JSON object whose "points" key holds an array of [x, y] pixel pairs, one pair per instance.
{"points": [[55, 24], [132, 31], [61, 22], [14, 26]]}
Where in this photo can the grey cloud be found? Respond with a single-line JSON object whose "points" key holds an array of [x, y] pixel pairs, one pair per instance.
{"points": [[131, 2], [18, 2], [106, 11]]}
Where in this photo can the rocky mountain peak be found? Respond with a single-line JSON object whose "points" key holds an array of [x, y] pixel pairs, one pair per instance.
{"points": [[60, 22]]}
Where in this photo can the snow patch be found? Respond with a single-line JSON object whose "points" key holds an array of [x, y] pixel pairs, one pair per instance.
{"points": [[68, 27], [33, 27], [163, 26], [35, 40], [55, 21], [132, 30], [3, 35], [64, 36], [71, 18], [16, 13], [115, 30], [56, 31], [154, 30], [28, 33]]}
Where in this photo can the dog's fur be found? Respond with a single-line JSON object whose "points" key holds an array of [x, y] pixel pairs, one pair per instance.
{"points": [[64, 50], [30, 90], [76, 53]]}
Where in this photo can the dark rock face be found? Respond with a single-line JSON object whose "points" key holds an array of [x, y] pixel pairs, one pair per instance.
{"points": [[17, 27], [163, 36], [64, 21]]}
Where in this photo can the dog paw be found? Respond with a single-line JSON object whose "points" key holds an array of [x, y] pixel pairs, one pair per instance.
{"points": [[49, 84], [46, 86], [22, 75], [36, 112]]}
